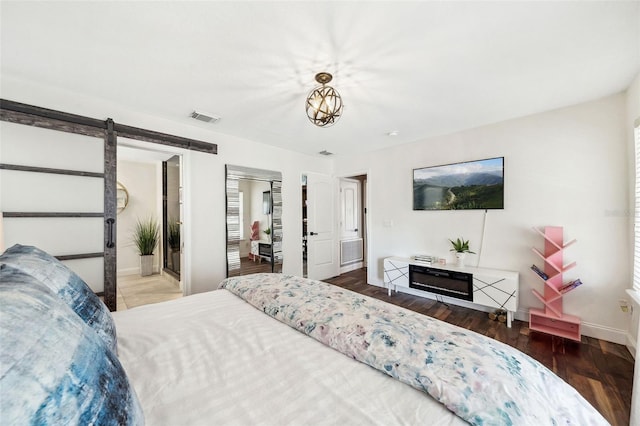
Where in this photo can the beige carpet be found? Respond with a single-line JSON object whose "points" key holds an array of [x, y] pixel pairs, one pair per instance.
{"points": [[134, 290]]}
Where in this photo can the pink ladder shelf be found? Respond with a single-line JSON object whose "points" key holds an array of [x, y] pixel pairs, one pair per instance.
{"points": [[551, 319]]}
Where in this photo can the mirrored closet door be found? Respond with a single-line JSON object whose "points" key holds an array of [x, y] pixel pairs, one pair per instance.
{"points": [[172, 241]]}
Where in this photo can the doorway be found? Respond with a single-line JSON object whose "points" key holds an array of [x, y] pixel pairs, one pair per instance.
{"points": [[152, 180], [353, 223], [171, 208], [109, 133], [304, 226]]}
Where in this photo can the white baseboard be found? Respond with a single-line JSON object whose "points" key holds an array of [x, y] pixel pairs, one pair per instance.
{"points": [[604, 333], [588, 329], [631, 345], [135, 271], [171, 279], [349, 268], [128, 271]]}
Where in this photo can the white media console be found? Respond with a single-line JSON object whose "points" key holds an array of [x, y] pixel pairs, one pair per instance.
{"points": [[493, 288]]}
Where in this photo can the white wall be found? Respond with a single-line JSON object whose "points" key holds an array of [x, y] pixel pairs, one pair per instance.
{"points": [[633, 114], [204, 193], [141, 182], [566, 167], [208, 208]]}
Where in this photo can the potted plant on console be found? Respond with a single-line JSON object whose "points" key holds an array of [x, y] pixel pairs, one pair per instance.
{"points": [[145, 237], [461, 248]]}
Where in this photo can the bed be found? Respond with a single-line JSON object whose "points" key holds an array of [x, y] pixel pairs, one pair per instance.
{"points": [[264, 349]]}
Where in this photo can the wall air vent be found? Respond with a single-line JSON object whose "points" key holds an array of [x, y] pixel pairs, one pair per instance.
{"points": [[351, 251], [325, 152], [207, 118]]}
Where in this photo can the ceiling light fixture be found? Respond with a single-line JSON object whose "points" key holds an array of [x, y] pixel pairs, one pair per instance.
{"points": [[324, 104]]}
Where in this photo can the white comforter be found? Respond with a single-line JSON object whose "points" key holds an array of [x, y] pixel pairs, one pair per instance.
{"points": [[483, 381], [212, 359]]}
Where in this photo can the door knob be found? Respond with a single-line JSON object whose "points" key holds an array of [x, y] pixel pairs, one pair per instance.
{"points": [[313, 233]]}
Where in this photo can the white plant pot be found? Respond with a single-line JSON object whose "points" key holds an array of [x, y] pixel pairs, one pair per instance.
{"points": [[460, 259], [175, 260], [146, 265]]}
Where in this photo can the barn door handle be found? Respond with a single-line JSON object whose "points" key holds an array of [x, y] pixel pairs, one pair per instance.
{"points": [[110, 243]]}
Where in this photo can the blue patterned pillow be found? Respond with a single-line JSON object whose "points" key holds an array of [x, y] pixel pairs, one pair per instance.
{"points": [[54, 369], [67, 285]]}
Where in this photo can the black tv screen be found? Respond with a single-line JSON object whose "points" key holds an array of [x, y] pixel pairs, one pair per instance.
{"points": [[470, 185]]}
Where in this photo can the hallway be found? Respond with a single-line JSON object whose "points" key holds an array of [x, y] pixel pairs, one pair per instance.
{"points": [[134, 290]]}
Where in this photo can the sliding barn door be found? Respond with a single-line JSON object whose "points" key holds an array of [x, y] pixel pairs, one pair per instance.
{"points": [[57, 192], [58, 186]]}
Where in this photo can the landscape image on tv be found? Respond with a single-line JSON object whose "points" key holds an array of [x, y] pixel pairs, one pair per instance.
{"points": [[460, 186]]}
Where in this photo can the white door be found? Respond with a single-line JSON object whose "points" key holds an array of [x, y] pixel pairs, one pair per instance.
{"points": [[349, 209], [364, 221], [322, 254]]}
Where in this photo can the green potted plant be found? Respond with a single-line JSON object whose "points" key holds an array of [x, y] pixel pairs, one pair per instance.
{"points": [[145, 238], [173, 239], [268, 232], [461, 248]]}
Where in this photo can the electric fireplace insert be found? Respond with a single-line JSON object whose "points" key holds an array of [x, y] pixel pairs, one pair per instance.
{"points": [[441, 281]]}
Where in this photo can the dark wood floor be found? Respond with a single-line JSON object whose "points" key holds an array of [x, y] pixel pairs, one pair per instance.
{"points": [[248, 266], [601, 371]]}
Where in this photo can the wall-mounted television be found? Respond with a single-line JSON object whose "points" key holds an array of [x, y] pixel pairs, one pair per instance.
{"points": [[470, 185]]}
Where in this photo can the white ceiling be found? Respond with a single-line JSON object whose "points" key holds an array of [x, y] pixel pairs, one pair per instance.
{"points": [[421, 68]]}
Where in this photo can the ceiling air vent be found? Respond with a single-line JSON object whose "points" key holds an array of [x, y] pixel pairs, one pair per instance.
{"points": [[325, 152], [207, 118]]}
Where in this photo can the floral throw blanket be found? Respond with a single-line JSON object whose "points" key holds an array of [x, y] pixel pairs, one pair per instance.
{"points": [[483, 381]]}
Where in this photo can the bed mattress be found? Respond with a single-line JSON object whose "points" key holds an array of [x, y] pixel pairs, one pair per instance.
{"points": [[212, 358]]}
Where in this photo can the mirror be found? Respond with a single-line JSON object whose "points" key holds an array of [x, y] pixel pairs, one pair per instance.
{"points": [[122, 197], [266, 202], [249, 194], [172, 241]]}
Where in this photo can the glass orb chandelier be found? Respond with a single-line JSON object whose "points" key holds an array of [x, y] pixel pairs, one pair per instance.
{"points": [[324, 104]]}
